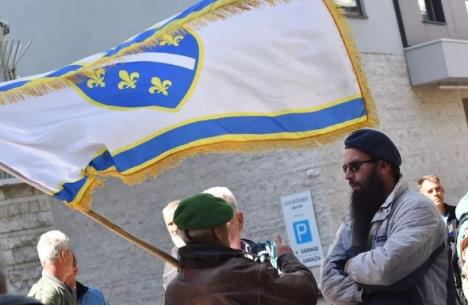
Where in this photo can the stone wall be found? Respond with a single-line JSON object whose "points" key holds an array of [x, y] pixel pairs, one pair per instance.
{"points": [[24, 215]]}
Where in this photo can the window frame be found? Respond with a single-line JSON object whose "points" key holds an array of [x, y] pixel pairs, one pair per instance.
{"points": [[358, 12], [434, 12]]}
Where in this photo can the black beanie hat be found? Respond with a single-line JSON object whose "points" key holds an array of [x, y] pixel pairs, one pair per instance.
{"points": [[374, 143]]}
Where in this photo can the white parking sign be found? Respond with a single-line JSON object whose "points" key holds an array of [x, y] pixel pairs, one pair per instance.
{"points": [[301, 226]]}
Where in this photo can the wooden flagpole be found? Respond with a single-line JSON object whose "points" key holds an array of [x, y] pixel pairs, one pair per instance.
{"points": [[105, 222], [131, 238]]}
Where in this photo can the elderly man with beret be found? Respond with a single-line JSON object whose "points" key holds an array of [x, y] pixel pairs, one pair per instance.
{"points": [[392, 246], [260, 252], [213, 273]]}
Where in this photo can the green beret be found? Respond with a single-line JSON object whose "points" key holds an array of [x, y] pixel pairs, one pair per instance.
{"points": [[202, 211]]}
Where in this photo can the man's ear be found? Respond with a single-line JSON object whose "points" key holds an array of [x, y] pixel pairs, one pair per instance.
{"points": [[385, 167], [218, 234], [63, 254], [240, 219], [221, 233]]}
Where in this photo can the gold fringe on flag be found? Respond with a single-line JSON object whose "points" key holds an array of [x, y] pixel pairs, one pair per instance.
{"points": [[158, 165], [350, 45]]}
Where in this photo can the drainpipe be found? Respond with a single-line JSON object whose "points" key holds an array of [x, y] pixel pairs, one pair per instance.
{"points": [[401, 26]]}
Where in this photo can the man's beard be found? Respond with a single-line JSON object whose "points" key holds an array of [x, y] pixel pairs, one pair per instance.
{"points": [[364, 204]]}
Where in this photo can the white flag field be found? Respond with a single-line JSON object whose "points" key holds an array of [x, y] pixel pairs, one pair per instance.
{"points": [[221, 76]]}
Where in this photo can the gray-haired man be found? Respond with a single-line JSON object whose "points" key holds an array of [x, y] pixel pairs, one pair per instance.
{"points": [[57, 265]]}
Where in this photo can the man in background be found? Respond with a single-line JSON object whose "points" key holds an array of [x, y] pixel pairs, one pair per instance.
{"points": [[84, 295], [170, 271], [431, 187], [57, 265]]}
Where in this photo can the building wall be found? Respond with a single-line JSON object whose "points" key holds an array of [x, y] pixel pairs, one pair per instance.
{"points": [[377, 32], [65, 31], [24, 215], [427, 124], [419, 31]]}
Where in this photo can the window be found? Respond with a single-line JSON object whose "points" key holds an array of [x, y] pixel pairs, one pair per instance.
{"points": [[351, 7], [432, 10]]}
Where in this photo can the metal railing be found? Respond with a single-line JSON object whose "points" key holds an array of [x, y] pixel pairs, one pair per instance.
{"points": [[11, 53]]}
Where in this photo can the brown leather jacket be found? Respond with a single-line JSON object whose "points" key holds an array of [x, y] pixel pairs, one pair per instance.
{"points": [[217, 275]]}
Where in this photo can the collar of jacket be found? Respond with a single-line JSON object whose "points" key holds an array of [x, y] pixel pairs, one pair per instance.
{"points": [[80, 290], [200, 255], [386, 207]]}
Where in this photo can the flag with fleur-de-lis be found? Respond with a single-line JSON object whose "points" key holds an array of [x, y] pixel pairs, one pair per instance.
{"points": [[221, 76]]}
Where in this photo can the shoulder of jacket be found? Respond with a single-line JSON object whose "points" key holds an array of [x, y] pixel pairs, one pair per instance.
{"points": [[45, 292], [45, 285], [413, 205], [409, 200]]}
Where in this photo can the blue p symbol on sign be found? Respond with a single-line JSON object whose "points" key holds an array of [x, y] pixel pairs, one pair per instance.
{"points": [[302, 231]]}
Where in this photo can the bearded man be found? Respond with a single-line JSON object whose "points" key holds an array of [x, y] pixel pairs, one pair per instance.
{"points": [[392, 246]]}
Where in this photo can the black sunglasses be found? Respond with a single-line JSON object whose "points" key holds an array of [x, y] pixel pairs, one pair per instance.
{"points": [[354, 166]]}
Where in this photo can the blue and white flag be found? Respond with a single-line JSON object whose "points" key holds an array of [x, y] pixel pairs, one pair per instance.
{"points": [[221, 76]]}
